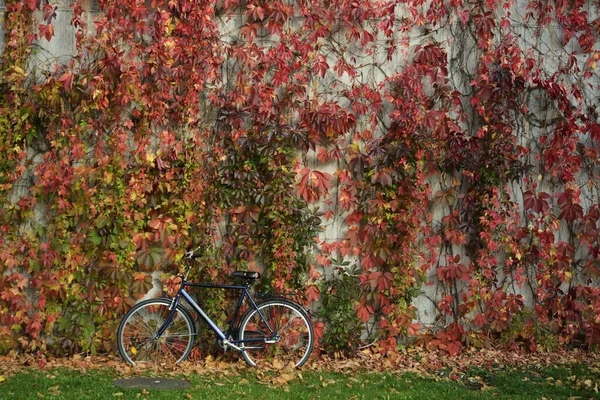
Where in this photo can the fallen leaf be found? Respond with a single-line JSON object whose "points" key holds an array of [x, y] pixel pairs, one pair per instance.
{"points": [[54, 391]]}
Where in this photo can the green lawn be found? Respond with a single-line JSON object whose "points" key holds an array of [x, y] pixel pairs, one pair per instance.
{"points": [[565, 382]]}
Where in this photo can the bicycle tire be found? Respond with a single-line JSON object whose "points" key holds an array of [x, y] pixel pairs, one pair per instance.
{"points": [[290, 322], [138, 327]]}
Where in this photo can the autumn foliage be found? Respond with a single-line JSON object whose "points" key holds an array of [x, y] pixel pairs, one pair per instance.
{"points": [[455, 152]]}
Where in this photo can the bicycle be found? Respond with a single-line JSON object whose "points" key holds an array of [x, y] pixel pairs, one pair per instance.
{"points": [[274, 331]]}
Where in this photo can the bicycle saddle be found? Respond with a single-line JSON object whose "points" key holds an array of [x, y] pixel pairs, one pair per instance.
{"points": [[246, 275]]}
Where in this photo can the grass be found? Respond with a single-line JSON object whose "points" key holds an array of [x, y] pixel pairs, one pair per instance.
{"points": [[565, 382]]}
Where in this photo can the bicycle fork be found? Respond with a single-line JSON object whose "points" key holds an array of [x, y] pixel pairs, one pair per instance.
{"points": [[172, 309]]}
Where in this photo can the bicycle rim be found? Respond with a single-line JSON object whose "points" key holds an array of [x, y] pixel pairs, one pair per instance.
{"points": [[139, 327], [295, 333]]}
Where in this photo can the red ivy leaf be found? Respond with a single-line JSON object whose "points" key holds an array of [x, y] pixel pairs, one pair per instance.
{"points": [[320, 66], [22, 283], [155, 224], [571, 212], [49, 12], [249, 31], [329, 214], [445, 197], [364, 311], [499, 325], [247, 213], [67, 80], [34, 328], [382, 177], [381, 280], [537, 203], [313, 184], [454, 348], [312, 294], [413, 329], [258, 13], [480, 320], [319, 328], [595, 131], [47, 31], [586, 42]]}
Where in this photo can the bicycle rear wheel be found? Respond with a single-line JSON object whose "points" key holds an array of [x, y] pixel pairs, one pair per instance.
{"points": [[289, 322], [138, 328]]}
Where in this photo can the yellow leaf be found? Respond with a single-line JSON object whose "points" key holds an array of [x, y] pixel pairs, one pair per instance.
{"points": [[150, 157], [170, 26], [170, 44], [2, 379], [133, 351]]}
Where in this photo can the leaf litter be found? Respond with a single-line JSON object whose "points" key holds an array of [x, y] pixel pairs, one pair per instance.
{"points": [[224, 370]]}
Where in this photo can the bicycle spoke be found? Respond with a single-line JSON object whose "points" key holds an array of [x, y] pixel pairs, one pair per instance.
{"points": [[145, 325], [171, 352], [293, 329], [136, 336], [145, 352]]}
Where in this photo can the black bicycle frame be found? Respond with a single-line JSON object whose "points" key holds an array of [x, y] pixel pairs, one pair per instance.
{"points": [[182, 293]]}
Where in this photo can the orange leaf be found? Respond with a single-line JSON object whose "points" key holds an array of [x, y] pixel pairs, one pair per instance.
{"points": [[67, 80], [364, 311], [312, 293], [454, 348], [413, 329], [47, 31]]}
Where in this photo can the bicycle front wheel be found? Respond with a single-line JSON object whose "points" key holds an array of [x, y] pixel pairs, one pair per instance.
{"points": [[136, 336], [290, 327]]}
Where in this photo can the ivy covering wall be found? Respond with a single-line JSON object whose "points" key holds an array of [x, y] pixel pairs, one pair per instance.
{"points": [[451, 145]]}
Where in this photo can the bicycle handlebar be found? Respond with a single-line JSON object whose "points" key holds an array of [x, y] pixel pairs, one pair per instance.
{"points": [[192, 254]]}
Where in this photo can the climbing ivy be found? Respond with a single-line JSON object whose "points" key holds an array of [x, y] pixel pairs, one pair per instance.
{"points": [[459, 163]]}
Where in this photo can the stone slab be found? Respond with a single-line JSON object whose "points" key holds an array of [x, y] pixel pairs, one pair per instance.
{"points": [[151, 383]]}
